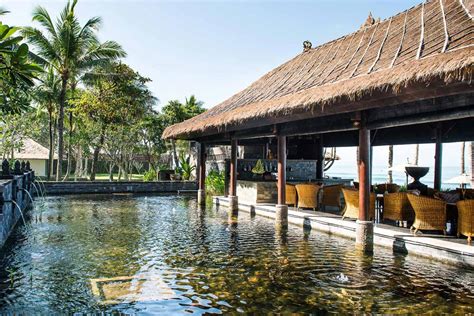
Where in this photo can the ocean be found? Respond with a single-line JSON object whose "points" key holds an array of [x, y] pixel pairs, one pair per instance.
{"points": [[380, 175]]}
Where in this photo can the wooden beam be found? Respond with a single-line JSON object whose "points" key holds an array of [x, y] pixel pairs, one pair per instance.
{"points": [[281, 170], [233, 168]]}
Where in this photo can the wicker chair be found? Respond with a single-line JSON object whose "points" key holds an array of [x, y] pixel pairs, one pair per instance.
{"points": [[466, 219], [430, 214], [351, 210], [307, 195], [290, 194], [397, 207], [331, 195]]}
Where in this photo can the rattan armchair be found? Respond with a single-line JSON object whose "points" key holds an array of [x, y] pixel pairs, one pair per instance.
{"points": [[397, 207], [331, 195], [466, 219], [290, 190], [430, 213], [307, 195], [351, 198]]}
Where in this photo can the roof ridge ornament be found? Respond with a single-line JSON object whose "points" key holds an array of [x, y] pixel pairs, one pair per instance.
{"points": [[307, 46], [369, 21]]}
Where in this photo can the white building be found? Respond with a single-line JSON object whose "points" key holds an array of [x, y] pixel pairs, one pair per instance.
{"points": [[36, 154]]}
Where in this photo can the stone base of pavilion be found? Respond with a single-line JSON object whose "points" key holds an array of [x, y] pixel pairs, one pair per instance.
{"points": [[444, 248]]}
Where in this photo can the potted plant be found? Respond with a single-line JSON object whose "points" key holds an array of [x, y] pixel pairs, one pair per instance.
{"points": [[185, 167], [258, 171]]}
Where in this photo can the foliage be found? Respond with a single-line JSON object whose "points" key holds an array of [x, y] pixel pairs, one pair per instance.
{"points": [[150, 175], [185, 168], [16, 71], [215, 182], [72, 50], [258, 169]]}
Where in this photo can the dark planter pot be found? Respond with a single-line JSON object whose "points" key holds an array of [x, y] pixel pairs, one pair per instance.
{"points": [[164, 175]]}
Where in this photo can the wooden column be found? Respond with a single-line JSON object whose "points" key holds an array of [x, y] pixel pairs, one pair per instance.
{"points": [[281, 209], [233, 168], [202, 175], [365, 226], [319, 157], [281, 170], [364, 173], [438, 167], [233, 201]]}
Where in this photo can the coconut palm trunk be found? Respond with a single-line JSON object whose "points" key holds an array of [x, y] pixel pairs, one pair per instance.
{"points": [[417, 153], [62, 101], [51, 146], [463, 157], [390, 163]]}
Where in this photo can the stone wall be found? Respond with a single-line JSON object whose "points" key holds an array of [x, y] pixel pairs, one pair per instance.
{"points": [[85, 187], [14, 190]]}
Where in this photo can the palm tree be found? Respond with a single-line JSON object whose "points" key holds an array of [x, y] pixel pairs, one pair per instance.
{"points": [[417, 153], [390, 163], [46, 95], [463, 157], [71, 49]]}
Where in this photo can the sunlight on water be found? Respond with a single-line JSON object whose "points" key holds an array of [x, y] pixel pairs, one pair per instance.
{"points": [[162, 254]]}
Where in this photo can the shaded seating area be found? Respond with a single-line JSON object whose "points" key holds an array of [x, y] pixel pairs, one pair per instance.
{"points": [[376, 86]]}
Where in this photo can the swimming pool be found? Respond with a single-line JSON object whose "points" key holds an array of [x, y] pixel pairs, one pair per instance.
{"points": [[163, 254]]}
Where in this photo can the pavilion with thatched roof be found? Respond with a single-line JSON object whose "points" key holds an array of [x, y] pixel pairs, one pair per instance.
{"points": [[404, 80]]}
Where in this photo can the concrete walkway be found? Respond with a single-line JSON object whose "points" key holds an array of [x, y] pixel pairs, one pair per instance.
{"points": [[444, 248]]}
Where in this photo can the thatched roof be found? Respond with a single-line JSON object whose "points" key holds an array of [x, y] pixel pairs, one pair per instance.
{"points": [[431, 42], [31, 150]]}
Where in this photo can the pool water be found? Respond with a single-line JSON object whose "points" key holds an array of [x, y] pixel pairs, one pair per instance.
{"points": [[162, 254]]}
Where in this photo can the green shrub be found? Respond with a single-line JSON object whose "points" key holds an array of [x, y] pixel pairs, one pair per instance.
{"points": [[215, 182], [150, 175]]}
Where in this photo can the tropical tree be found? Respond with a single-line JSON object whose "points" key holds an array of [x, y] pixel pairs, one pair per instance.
{"points": [[176, 112], [17, 72], [71, 49], [118, 96]]}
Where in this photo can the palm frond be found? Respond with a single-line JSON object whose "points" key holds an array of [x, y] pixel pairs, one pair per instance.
{"points": [[42, 16]]}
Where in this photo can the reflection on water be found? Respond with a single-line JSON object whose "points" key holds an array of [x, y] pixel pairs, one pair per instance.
{"points": [[163, 254]]}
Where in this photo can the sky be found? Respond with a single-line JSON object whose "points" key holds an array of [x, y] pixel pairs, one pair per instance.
{"points": [[214, 49]]}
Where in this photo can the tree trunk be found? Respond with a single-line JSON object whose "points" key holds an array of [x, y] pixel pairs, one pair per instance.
{"points": [[51, 146], [62, 100], [69, 148], [78, 169], [85, 170], [97, 149], [417, 153], [463, 157], [111, 171], [175, 154], [390, 163]]}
